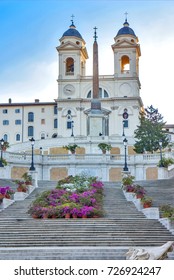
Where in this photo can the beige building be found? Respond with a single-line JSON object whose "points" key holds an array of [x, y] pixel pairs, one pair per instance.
{"points": [[21, 121]]}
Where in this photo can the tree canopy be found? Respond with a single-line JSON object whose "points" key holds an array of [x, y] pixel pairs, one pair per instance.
{"points": [[150, 131]]}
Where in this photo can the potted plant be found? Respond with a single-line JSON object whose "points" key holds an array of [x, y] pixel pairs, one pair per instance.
{"points": [[139, 191], [22, 187], [27, 178], [104, 147], [165, 162], [129, 188], [71, 147], [166, 210], [6, 192], [128, 180], [146, 201]]}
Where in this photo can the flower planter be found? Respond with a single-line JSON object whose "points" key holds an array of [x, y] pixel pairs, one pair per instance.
{"points": [[147, 205], [74, 216], [84, 217], [67, 215], [1, 196], [139, 195], [34, 216], [21, 190], [8, 196]]}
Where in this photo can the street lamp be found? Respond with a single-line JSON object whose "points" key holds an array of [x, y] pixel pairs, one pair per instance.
{"points": [[161, 156], [32, 168], [125, 156], [72, 126], [1, 143], [123, 129]]}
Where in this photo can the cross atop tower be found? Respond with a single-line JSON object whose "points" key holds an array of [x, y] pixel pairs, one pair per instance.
{"points": [[72, 20], [95, 34], [126, 16]]}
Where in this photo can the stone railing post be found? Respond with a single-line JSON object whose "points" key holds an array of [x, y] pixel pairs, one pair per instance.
{"points": [[34, 175]]}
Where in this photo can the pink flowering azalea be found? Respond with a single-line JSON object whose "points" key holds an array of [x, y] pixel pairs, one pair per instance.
{"points": [[97, 184]]}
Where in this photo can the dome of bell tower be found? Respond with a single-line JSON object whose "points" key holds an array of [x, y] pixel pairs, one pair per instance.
{"points": [[72, 32], [126, 30]]}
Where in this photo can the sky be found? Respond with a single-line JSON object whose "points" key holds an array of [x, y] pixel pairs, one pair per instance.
{"points": [[30, 31]]}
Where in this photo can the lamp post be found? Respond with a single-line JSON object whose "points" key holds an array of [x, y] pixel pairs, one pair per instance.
{"points": [[1, 143], [72, 126], [41, 151], [125, 156], [32, 168], [161, 156], [123, 129]]}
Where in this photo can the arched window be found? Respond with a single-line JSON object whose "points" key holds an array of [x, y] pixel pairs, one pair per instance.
{"points": [[125, 64], [69, 66], [42, 135], [30, 117], [89, 94], [30, 131], [18, 137], [5, 137], [55, 123], [102, 93], [106, 95]]}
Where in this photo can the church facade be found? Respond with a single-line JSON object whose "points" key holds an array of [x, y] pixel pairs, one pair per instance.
{"points": [[119, 93], [69, 115]]}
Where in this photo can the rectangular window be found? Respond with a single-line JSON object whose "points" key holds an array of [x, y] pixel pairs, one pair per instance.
{"points": [[55, 110], [55, 123], [17, 111], [17, 122], [69, 124], [5, 111], [42, 110], [125, 123], [30, 131], [30, 117], [42, 121], [5, 122]]}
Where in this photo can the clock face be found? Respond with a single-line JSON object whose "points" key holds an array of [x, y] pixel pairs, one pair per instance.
{"points": [[69, 89]]}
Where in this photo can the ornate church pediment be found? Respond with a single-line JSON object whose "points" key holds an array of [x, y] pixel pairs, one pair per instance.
{"points": [[124, 42], [69, 45]]}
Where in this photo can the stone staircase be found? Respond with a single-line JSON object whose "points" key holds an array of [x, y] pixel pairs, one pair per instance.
{"points": [[162, 191], [110, 237]]}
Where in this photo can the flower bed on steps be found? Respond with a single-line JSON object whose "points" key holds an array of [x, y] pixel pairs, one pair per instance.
{"points": [[74, 197]]}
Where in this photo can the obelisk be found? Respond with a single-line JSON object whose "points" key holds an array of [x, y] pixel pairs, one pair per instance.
{"points": [[95, 102], [96, 115]]}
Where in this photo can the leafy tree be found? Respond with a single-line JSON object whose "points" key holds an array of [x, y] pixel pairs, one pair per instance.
{"points": [[150, 131]]}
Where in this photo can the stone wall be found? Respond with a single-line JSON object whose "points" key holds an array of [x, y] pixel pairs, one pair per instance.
{"points": [[58, 173]]}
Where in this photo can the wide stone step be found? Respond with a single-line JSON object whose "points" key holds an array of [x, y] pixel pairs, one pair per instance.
{"points": [[59, 253]]}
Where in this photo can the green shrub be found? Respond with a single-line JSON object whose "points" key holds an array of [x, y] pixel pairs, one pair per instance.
{"points": [[165, 162]]}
